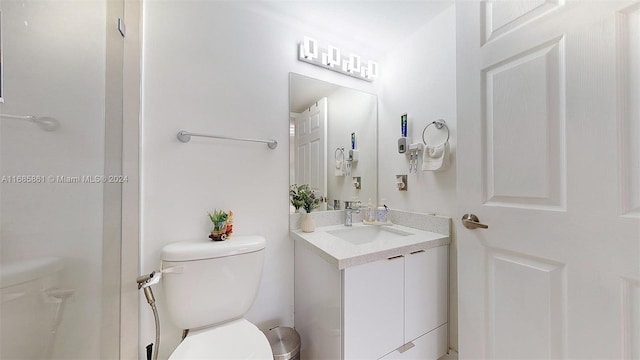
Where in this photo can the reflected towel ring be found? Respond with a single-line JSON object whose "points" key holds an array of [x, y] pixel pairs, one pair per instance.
{"points": [[439, 124], [339, 156]]}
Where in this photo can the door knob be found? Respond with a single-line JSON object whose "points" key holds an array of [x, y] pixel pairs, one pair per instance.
{"points": [[470, 221]]}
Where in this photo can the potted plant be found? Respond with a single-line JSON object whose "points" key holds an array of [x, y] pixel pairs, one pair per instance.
{"points": [[296, 199], [218, 225], [303, 196]]}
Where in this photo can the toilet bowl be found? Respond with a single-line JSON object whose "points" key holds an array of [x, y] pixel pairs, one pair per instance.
{"points": [[209, 286], [237, 339], [28, 307]]}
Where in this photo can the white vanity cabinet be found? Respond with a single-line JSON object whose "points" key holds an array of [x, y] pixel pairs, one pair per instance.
{"points": [[426, 289], [394, 308], [373, 308]]}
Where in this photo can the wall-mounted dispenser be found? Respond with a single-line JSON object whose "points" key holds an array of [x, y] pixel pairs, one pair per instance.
{"points": [[401, 182], [354, 155], [403, 145]]}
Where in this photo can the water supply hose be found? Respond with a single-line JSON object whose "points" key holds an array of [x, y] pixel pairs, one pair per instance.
{"points": [[152, 302], [145, 282]]}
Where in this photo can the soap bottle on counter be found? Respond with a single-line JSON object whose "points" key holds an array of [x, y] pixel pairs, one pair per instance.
{"points": [[382, 213], [370, 213]]}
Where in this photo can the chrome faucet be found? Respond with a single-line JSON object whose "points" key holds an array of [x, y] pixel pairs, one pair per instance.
{"points": [[349, 208]]}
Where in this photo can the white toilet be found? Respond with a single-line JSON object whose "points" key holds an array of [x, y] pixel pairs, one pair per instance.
{"points": [[209, 286], [30, 307]]}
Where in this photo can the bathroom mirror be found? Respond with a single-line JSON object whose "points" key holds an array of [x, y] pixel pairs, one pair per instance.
{"points": [[322, 119]]}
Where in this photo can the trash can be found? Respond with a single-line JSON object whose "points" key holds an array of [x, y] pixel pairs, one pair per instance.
{"points": [[285, 343]]}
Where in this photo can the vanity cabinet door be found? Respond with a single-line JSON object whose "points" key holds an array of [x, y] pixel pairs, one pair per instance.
{"points": [[373, 309], [431, 346], [426, 291]]}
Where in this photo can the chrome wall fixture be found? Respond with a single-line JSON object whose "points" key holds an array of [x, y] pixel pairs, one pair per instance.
{"points": [[185, 136], [440, 123], [331, 58]]}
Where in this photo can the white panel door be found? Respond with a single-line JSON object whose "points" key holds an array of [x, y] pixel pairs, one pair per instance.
{"points": [[548, 157], [310, 144]]}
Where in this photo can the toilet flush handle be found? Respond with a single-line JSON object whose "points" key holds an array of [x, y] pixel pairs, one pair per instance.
{"points": [[173, 270]]}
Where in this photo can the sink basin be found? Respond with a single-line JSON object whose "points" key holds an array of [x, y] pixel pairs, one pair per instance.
{"points": [[368, 234]]}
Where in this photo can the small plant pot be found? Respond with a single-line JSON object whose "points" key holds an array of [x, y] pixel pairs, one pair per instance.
{"points": [[218, 231], [306, 223]]}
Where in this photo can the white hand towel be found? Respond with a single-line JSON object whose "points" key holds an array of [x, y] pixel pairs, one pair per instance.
{"points": [[435, 158], [339, 170]]}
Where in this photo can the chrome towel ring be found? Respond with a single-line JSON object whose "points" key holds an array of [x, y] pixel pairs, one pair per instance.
{"points": [[440, 123]]}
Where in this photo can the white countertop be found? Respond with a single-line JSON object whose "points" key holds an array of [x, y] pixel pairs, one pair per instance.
{"points": [[344, 254]]}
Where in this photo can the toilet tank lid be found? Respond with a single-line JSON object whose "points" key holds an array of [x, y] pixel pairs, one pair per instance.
{"points": [[207, 249]]}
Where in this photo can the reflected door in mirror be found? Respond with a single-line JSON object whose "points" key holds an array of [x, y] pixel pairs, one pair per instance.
{"points": [[310, 144]]}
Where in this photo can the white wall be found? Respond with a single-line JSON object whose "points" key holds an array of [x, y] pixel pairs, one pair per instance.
{"points": [[223, 68], [54, 63], [220, 68], [419, 79]]}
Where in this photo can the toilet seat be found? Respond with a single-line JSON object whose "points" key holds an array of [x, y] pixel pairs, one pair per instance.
{"points": [[238, 339]]}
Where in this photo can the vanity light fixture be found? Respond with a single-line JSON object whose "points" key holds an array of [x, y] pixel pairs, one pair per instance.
{"points": [[332, 56], [372, 70], [332, 59], [309, 48], [353, 65]]}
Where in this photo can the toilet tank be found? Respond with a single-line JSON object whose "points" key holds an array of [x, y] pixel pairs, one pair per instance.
{"points": [[210, 282]]}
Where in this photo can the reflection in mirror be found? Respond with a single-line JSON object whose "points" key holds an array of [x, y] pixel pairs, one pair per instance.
{"points": [[323, 117]]}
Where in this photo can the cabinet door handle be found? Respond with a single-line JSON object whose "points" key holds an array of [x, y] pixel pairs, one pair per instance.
{"points": [[406, 347], [395, 257], [416, 252]]}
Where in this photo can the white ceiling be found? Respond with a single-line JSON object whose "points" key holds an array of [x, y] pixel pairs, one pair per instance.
{"points": [[374, 26]]}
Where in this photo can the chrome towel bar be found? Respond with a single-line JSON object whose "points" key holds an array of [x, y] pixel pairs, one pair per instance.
{"points": [[44, 122], [185, 136]]}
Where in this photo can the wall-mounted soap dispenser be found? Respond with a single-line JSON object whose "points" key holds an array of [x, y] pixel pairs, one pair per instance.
{"points": [[405, 146]]}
